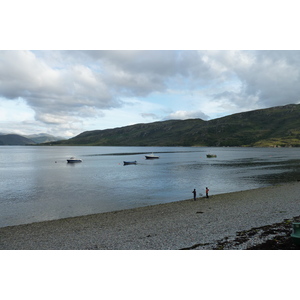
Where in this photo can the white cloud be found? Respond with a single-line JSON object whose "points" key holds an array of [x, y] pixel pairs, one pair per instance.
{"points": [[183, 115]]}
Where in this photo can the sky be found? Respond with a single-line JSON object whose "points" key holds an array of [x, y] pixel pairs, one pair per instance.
{"points": [[65, 92]]}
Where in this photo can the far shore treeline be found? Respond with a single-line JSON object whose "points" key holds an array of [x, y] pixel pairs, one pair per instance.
{"points": [[272, 127]]}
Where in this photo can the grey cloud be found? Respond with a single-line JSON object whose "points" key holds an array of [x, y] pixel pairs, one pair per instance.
{"points": [[240, 99], [150, 115], [163, 63], [275, 76], [151, 70], [270, 77]]}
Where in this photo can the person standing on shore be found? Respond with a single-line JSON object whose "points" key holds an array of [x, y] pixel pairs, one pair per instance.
{"points": [[206, 191], [195, 193]]}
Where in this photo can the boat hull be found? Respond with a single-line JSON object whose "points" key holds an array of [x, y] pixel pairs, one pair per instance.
{"points": [[72, 160], [129, 163], [151, 157]]}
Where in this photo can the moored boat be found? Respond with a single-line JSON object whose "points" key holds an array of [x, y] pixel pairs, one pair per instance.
{"points": [[211, 155], [151, 156], [74, 160], [129, 163]]}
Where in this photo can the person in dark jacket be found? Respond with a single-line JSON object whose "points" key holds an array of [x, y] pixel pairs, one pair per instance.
{"points": [[194, 192]]}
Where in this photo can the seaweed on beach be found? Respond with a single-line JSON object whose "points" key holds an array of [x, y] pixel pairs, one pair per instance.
{"points": [[274, 237], [270, 237]]}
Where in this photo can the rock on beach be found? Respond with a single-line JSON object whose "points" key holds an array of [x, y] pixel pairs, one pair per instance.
{"points": [[185, 224]]}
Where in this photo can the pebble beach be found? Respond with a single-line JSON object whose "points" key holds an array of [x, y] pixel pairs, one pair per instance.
{"points": [[187, 224]]}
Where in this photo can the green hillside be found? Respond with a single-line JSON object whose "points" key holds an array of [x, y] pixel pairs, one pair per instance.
{"points": [[277, 126]]}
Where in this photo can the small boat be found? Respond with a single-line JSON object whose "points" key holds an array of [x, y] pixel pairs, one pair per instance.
{"points": [[129, 163], [73, 160], [151, 156], [211, 155]]}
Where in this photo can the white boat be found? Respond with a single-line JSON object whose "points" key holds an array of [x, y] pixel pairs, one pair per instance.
{"points": [[151, 156], [74, 160]]}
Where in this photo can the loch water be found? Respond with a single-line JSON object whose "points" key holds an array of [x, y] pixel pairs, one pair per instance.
{"points": [[37, 183]]}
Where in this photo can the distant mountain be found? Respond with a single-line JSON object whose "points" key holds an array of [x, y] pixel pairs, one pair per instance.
{"points": [[277, 126], [14, 139], [43, 138]]}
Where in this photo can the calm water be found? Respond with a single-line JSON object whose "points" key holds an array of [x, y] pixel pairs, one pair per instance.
{"points": [[37, 184]]}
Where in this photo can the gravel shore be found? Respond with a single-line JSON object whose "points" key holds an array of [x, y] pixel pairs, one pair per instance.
{"points": [[188, 224]]}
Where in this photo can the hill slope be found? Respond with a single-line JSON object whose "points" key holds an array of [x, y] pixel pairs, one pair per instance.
{"points": [[14, 139], [277, 126]]}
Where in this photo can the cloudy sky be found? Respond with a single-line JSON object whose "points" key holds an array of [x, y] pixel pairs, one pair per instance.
{"points": [[66, 92]]}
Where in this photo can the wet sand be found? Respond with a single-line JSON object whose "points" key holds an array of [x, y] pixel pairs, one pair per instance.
{"points": [[186, 224]]}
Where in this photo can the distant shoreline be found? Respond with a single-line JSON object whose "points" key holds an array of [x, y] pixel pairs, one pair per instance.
{"points": [[175, 225]]}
